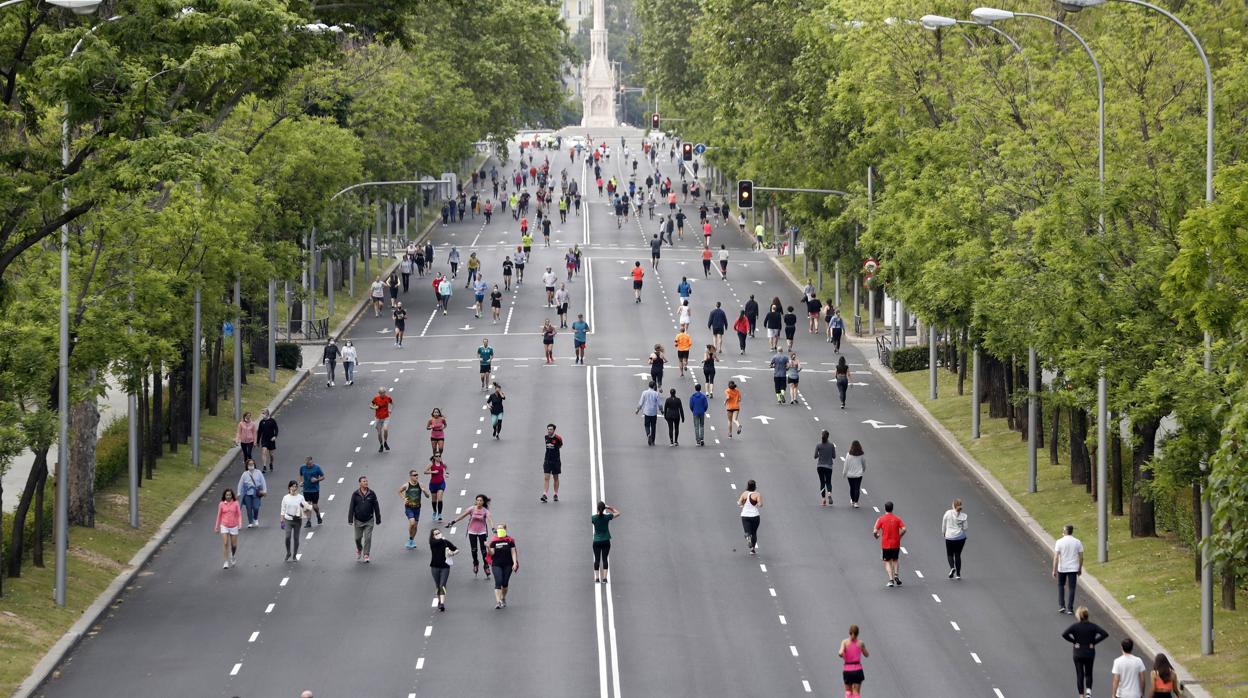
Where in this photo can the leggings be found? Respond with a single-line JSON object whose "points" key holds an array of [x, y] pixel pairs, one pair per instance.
{"points": [[673, 430], [842, 385], [750, 524], [246, 447], [441, 575], [953, 551], [1083, 673], [741, 338], [476, 540], [602, 550], [855, 486], [293, 531], [330, 366], [825, 481]]}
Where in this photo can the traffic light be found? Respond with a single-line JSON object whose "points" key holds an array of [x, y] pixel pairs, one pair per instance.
{"points": [[745, 193], [686, 151], [654, 121]]}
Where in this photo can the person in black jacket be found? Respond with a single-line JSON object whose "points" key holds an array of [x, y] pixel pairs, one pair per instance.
{"points": [[772, 322], [266, 433], [1084, 636], [751, 313], [329, 357], [363, 513], [718, 324], [674, 413]]}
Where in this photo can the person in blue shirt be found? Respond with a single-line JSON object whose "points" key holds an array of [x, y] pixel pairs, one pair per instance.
{"points": [[648, 406], [697, 407], [478, 291], [684, 289], [312, 476], [579, 330]]}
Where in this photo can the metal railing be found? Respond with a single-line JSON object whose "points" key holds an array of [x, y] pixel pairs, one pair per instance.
{"points": [[884, 350], [303, 330]]}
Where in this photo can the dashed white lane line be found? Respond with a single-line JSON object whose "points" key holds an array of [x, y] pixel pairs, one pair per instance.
{"points": [[936, 598], [434, 604], [783, 621], [364, 435], [309, 536], [471, 461], [340, 480], [420, 664], [475, 445], [998, 692], [955, 626], [762, 567], [976, 658], [255, 634], [357, 449], [771, 590], [806, 685], [904, 551], [727, 469], [463, 492], [733, 485], [428, 630], [793, 650], [877, 509], [467, 476], [478, 432], [237, 667], [864, 490], [331, 497], [269, 608], [920, 574], [284, 582]]}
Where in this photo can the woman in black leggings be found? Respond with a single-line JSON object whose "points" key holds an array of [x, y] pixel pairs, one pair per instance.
{"points": [[602, 539], [1084, 636]]}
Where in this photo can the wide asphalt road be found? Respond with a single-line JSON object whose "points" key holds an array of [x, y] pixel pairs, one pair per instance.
{"points": [[687, 612]]}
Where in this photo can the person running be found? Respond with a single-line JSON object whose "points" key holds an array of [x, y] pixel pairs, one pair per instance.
{"points": [[790, 327], [717, 323], [521, 257], [546, 231], [245, 436], [792, 376], [682, 316], [890, 529], [329, 357], [548, 340], [648, 406], [437, 472], [580, 330], [813, 308], [441, 551], [825, 461], [657, 360], [1067, 567], [656, 247], [779, 368], [400, 323], [436, 426], [350, 357], [638, 273], [495, 403], [229, 518], [377, 292], [732, 404], [708, 369], [1161, 679], [1128, 672], [742, 327], [381, 415], [723, 262], [772, 322], [363, 514], [504, 561], [508, 269], [552, 464], [526, 240], [479, 289], [953, 525], [392, 283], [706, 262], [562, 298], [549, 279], [602, 539], [485, 357], [436, 284], [842, 379], [410, 492], [673, 414], [852, 652], [293, 508], [312, 475], [751, 313], [1085, 636], [853, 468], [571, 261], [252, 488], [683, 344], [684, 289], [750, 502], [266, 431], [479, 525], [496, 303]]}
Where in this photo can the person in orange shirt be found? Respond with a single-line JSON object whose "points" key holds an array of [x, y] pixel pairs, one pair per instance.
{"points": [[706, 261], [638, 273], [683, 344], [381, 413], [732, 403]]}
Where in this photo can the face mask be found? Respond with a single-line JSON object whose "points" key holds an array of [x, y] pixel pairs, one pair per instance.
{"points": [[502, 532]]}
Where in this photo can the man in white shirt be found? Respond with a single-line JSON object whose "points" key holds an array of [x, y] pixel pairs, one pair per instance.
{"points": [[1067, 566], [1129, 673]]}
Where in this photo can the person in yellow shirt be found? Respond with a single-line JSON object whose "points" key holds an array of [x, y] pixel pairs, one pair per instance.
{"points": [[683, 344]]}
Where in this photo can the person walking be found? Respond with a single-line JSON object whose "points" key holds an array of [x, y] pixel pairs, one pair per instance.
{"points": [[252, 488], [452, 258], [445, 290], [552, 463], [790, 327], [837, 328], [266, 431], [350, 357], [779, 370], [674, 414], [732, 404], [548, 340], [436, 426], [293, 508], [953, 525], [890, 529], [479, 289], [392, 284], [698, 405], [381, 417], [792, 375], [1085, 636], [580, 331], [1128, 672], [377, 293], [657, 360], [437, 484], [742, 327], [474, 267], [562, 299], [602, 539], [410, 492], [229, 518], [1067, 567], [772, 322], [648, 407], [329, 358], [750, 501], [825, 461], [1161, 680], [405, 269], [852, 651], [479, 525], [495, 402], [504, 561], [549, 279], [814, 307], [508, 269], [245, 436], [842, 379], [441, 551], [363, 514], [717, 322], [312, 475], [708, 368], [485, 359], [853, 468]]}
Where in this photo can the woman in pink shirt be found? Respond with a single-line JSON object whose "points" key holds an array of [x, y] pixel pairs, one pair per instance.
{"points": [[229, 517], [852, 651], [245, 436]]}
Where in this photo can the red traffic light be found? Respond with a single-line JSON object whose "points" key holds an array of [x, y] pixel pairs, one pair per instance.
{"points": [[686, 151], [654, 121]]}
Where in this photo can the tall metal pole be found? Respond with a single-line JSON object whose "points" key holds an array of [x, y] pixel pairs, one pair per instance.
{"points": [[1102, 470], [329, 284], [351, 270], [196, 339], [1033, 405], [272, 330], [238, 349], [313, 262], [62, 390], [836, 281], [871, 292], [975, 393], [931, 360]]}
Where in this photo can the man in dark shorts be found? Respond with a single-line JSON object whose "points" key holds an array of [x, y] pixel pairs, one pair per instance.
{"points": [[552, 466], [656, 245], [638, 273], [266, 432], [813, 307], [504, 560], [779, 366], [312, 476], [889, 528], [400, 323], [411, 492], [485, 354]]}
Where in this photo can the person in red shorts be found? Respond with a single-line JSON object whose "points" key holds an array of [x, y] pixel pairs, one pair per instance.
{"points": [[889, 528], [381, 412]]}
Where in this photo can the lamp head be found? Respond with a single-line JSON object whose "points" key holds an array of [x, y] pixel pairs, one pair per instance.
{"points": [[1076, 5], [78, 7], [988, 15], [935, 22]]}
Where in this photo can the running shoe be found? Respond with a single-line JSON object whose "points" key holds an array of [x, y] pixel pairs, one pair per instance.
{"points": [[225, 565], [543, 498], [897, 581], [442, 607], [365, 558], [890, 584], [410, 544], [381, 449], [475, 568], [386, 445], [951, 572], [556, 496], [358, 554], [958, 576]]}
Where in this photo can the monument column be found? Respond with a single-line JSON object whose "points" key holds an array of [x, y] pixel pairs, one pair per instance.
{"points": [[598, 93]]}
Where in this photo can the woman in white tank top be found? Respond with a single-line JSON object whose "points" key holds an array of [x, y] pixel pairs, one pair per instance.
{"points": [[750, 501]]}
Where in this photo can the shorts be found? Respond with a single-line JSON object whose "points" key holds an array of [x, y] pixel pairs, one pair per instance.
{"points": [[850, 678], [778, 382], [412, 513], [496, 418], [578, 343], [792, 381], [789, 332], [682, 355], [480, 297], [552, 468], [437, 486], [562, 309], [891, 553], [400, 325], [520, 268], [814, 314], [654, 255], [378, 299], [312, 497], [485, 368], [733, 413], [502, 575], [550, 289], [773, 332], [636, 285], [383, 422], [496, 304], [229, 531], [269, 445]]}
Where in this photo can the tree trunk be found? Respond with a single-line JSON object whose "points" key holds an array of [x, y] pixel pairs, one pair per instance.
{"points": [[993, 381], [175, 405], [1055, 422], [1039, 421], [1143, 514], [214, 376], [84, 423], [155, 415], [36, 548], [1079, 460], [17, 537], [963, 353], [1115, 468], [1011, 386]]}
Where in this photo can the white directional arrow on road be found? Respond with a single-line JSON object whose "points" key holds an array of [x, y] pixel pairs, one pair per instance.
{"points": [[760, 283], [860, 384], [881, 425], [466, 327], [743, 379], [763, 418], [384, 331], [642, 375]]}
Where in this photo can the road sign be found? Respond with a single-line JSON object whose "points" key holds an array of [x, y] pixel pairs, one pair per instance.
{"points": [[227, 329], [870, 265], [699, 148]]}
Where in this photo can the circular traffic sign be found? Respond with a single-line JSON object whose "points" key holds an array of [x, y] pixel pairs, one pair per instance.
{"points": [[870, 265], [699, 148]]}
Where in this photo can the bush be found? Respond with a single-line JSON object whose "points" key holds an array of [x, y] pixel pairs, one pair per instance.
{"points": [[909, 359], [112, 454], [289, 355]]}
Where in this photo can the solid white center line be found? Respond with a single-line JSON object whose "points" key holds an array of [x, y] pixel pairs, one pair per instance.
{"points": [[234, 671], [269, 608], [936, 598], [428, 630], [976, 658], [955, 625], [284, 582], [254, 635]]}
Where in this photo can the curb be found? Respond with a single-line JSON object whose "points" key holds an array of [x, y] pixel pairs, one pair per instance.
{"points": [[50, 661], [1144, 639]]}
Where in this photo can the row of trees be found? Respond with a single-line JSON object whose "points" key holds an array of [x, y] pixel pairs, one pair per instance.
{"points": [[205, 141], [987, 211]]}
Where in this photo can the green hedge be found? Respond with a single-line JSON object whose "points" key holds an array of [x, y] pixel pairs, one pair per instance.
{"points": [[112, 454], [909, 359], [289, 355]]}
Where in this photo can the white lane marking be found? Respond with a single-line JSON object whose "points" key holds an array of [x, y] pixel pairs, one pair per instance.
{"points": [[254, 635], [269, 608], [234, 671], [783, 621], [357, 450], [920, 574], [428, 630], [467, 476], [936, 598], [998, 692], [976, 658], [420, 664], [480, 419], [471, 461], [771, 590], [806, 685], [864, 490], [463, 492], [284, 582], [459, 510], [733, 485], [310, 535], [816, 419], [434, 603], [298, 556], [475, 445], [331, 497], [762, 567], [727, 469], [429, 322], [364, 435], [904, 551], [479, 431], [955, 626], [340, 480], [793, 650], [877, 509]]}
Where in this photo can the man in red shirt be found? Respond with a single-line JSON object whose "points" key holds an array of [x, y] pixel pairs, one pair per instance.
{"points": [[889, 528], [381, 412]]}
